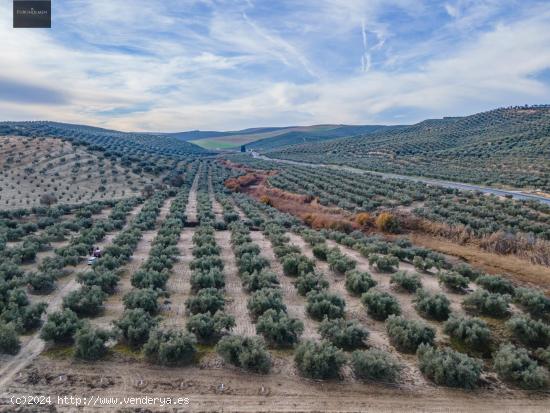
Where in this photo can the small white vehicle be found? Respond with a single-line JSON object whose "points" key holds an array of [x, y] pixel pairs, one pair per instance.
{"points": [[91, 260]]}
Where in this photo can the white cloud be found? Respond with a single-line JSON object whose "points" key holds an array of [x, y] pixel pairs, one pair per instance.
{"points": [[233, 67]]}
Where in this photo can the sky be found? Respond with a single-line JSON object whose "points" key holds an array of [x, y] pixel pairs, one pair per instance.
{"points": [[175, 65]]}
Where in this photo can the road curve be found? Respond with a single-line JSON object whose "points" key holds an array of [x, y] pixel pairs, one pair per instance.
{"points": [[517, 194]]}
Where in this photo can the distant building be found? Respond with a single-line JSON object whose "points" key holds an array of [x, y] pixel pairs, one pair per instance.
{"points": [[243, 148]]}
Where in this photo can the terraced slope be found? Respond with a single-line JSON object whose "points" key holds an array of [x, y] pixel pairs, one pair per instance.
{"points": [[509, 147]]}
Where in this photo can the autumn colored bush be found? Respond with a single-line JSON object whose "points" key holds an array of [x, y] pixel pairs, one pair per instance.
{"points": [[264, 199], [387, 222], [363, 218]]}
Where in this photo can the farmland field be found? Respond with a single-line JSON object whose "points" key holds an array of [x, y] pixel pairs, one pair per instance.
{"points": [[249, 285]]}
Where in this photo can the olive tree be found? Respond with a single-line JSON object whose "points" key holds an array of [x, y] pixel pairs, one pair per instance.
{"points": [[210, 328], [407, 335], [279, 329], [380, 305], [345, 334], [248, 353], [375, 364], [90, 343], [514, 364], [448, 367], [61, 326], [170, 347], [319, 360]]}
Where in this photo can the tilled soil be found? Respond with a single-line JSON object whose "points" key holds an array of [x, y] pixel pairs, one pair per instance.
{"points": [[296, 304], [236, 297], [211, 386], [179, 283]]}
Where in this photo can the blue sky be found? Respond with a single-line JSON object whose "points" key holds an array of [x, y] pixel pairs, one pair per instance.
{"points": [[167, 65]]}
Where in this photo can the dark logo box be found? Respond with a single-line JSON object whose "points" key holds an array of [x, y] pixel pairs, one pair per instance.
{"points": [[32, 13]]}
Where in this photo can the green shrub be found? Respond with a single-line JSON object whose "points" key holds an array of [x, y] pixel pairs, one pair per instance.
{"points": [[339, 262], [421, 264], [435, 306], [496, 284], [374, 364], [41, 282], [319, 360], [208, 328], [533, 333], [453, 281], [279, 329], [321, 251], [259, 280], [251, 262], [543, 354], [407, 335], [484, 302], [467, 271], [296, 264], [473, 332], [87, 301], [170, 347], [448, 367], [61, 326], [149, 279], [207, 300], [358, 282], [206, 263], [144, 298], [406, 282], [106, 280], [345, 334], [514, 364], [313, 281], [212, 278], [321, 304], [248, 353], [533, 301], [90, 343], [134, 326], [380, 305], [384, 263], [265, 299], [9, 341]]}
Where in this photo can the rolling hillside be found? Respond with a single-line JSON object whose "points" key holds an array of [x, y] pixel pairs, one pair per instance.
{"points": [[298, 137], [122, 143], [269, 138], [508, 146]]}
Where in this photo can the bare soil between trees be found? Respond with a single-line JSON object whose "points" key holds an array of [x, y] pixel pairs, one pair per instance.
{"points": [[211, 386]]}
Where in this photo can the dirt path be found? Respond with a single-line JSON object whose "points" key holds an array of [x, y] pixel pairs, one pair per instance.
{"points": [[35, 345], [246, 392], [236, 303], [179, 285], [295, 303], [191, 208]]}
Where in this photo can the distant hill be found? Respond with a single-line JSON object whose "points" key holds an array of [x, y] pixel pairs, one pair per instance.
{"points": [[508, 146], [199, 135], [271, 137], [298, 137], [120, 143]]}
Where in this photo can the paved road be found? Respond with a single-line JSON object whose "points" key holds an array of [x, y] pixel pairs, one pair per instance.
{"points": [[447, 184]]}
